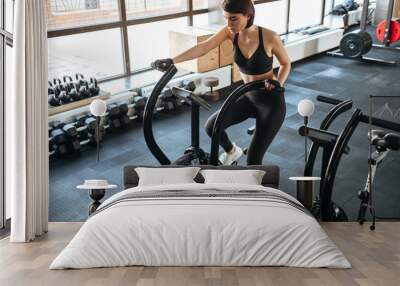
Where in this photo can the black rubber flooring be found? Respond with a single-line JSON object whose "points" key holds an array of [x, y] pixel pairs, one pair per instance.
{"points": [[322, 74]]}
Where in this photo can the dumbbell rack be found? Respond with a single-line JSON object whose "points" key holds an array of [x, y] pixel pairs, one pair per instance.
{"points": [[68, 137], [76, 104]]}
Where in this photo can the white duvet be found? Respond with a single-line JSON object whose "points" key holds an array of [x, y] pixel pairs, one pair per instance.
{"points": [[200, 231]]}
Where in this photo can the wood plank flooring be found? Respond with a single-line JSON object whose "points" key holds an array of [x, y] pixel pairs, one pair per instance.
{"points": [[375, 257]]}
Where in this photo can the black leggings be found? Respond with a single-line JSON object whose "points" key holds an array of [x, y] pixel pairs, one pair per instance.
{"points": [[269, 110]]}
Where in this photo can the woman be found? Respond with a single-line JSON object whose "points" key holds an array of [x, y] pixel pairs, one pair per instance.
{"points": [[254, 48]]}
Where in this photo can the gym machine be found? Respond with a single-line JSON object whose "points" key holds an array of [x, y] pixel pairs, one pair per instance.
{"points": [[193, 154], [383, 142], [334, 145], [355, 45]]}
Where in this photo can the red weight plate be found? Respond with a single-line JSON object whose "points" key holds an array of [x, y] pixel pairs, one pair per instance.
{"points": [[394, 36]]}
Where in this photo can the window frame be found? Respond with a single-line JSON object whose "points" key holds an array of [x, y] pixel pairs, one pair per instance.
{"points": [[124, 23], [322, 16], [6, 39]]}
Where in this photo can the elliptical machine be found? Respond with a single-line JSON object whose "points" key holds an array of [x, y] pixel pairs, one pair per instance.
{"points": [[193, 154]]}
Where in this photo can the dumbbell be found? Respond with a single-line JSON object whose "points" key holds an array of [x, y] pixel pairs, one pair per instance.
{"points": [[72, 137], [71, 88], [94, 89], [51, 146], [123, 114], [60, 89], [166, 101], [53, 98], [139, 103], [50, 89], [53, 95], [86, 127], [114, 121], [59, 140], [74, 93], [68, 82], [132, 115], [82, 85], [82, 129], [80, 80], [84, 90], [58, 86], [91, 124], [64, 97], [189, 85]]}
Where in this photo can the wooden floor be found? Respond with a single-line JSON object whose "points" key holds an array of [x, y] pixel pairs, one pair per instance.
{"points": [[375, 257]]}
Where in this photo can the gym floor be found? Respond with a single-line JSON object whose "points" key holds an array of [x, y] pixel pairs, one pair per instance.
{"points": [[318, 75]]}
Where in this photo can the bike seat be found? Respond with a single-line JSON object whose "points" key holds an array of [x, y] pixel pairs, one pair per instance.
{"points": [[384, 140]]}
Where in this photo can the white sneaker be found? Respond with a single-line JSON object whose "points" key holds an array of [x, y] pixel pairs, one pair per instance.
{"points": [[227, 159]]}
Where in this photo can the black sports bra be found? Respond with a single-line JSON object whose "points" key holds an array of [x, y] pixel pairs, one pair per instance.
{"points": [[258, 63]]}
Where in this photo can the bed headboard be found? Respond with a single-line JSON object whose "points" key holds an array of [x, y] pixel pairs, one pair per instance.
{"points": [[270, 179]]}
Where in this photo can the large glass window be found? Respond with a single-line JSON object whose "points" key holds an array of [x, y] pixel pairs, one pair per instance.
{"points": [[144, 48], [63, 14], [200, 20], [304, 13], [272, 15], [146, 8], [97, 54], [200, 4]]}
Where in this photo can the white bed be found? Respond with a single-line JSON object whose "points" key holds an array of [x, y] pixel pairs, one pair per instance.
{"points": [[249, 226]]}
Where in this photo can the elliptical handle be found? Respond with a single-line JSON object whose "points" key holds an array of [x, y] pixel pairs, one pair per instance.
{"points": [[329, 100], [149, 113]]}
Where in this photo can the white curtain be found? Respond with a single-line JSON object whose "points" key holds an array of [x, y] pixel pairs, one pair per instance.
{"points": [[26, 124]]}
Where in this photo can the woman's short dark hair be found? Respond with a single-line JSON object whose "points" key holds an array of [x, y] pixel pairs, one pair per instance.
{"points": [[244, 7]]}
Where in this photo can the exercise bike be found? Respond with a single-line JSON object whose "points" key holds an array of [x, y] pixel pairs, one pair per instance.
{"points": [[334, 145], [193, 155], [383, 142]]}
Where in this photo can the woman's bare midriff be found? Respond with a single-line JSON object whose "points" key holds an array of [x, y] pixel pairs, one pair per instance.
{"points": [[249, 78]]}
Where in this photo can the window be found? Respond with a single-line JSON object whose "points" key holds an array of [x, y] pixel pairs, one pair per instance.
{"points": [[62, 14], [144, 49], [200, 20], [272, 15], [97, 54], [200, 4], [6, 28], [305, 13], [136, 9]]}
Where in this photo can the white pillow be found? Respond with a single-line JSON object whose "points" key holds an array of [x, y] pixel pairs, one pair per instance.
{"points": [[165, 176], [248, 177]]}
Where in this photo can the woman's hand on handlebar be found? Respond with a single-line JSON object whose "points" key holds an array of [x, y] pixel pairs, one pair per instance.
{"points": [[271, 84], [162, 64]]}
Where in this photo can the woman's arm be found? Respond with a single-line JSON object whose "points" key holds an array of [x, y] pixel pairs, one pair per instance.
{"points": [[279, 51], [204, 47]]}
